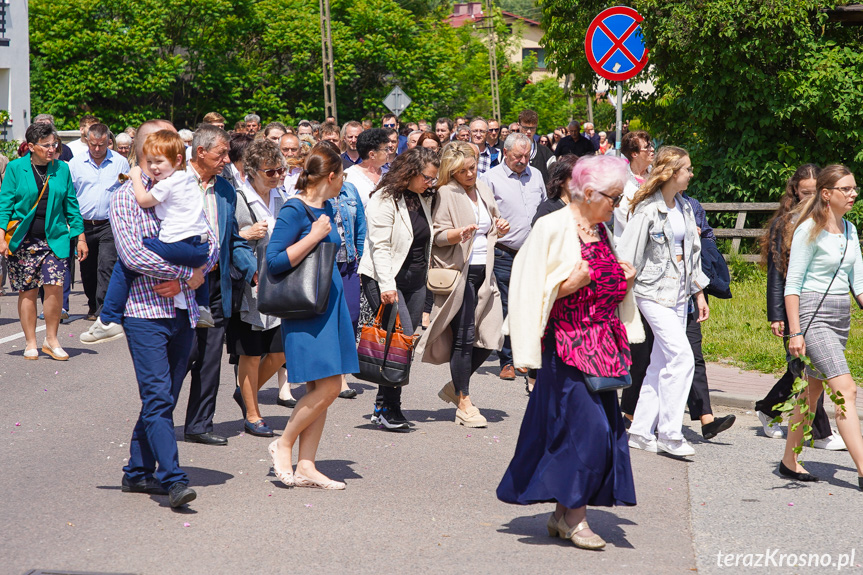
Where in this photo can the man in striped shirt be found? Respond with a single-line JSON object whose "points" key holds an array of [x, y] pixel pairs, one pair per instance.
{"points": [[159, 322]]}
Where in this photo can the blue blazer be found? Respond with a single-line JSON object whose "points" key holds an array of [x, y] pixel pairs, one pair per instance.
{"points": [[233, 249]]}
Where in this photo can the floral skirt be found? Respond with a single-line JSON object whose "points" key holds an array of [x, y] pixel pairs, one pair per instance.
{"points": [[33, 265]]}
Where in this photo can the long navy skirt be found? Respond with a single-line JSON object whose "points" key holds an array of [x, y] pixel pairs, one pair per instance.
{"points": [[572, 448]]}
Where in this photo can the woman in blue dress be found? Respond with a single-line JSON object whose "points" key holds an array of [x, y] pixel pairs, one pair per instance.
{"points": [[320, 349]]}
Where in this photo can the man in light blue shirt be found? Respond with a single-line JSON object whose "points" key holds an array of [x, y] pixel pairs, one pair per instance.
{"points": [[95, 176], [518, 189]]}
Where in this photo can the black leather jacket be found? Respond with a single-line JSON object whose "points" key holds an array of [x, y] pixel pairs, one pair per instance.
{"points": [[775, 283]]}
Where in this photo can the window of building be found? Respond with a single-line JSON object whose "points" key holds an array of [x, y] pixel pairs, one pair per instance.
{"points": [[538, 52], [4, 41]]}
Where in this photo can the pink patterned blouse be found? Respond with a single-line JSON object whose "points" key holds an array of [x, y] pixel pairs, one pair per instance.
{"points": [[587, 331]]}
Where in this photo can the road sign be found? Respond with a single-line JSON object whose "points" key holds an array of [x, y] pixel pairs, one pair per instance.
{"points": [[397, 101], [614, 44]]}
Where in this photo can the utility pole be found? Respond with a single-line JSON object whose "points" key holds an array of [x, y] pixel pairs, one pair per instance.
{"points": [[327, 58], [492, 64]]}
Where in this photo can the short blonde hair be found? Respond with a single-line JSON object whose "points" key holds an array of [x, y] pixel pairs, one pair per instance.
{"points": [[452, 159]]}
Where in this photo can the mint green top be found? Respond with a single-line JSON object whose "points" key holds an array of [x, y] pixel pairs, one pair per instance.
{"points": [[811, 265]]}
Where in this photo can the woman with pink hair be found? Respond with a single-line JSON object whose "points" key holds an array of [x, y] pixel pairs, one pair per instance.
{"points": [[572, 447]]}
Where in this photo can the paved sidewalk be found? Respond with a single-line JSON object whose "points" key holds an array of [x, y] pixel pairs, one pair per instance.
{"points": [[734, 387]]}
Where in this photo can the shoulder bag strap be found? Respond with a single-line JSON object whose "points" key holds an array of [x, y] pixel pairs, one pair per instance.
{"points": [[827, 291]]}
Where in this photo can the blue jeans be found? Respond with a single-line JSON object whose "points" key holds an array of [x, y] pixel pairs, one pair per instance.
{"points": [[190, 252], [502, 272], [160, 353]]}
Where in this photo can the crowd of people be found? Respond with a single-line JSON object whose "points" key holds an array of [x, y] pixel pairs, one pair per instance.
{"points": [[584, 272]]}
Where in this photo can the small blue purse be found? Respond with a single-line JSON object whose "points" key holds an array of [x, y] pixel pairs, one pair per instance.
{"points": [[599, 383]]}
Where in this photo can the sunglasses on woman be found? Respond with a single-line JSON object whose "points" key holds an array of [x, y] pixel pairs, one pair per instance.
{"points": [[273, 172]]}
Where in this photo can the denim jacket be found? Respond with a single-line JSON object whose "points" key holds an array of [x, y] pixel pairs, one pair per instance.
{"points": [[350, 206], [648, 243]]}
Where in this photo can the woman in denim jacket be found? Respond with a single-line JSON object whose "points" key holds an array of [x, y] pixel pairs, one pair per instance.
{"points": [[662, 242]]}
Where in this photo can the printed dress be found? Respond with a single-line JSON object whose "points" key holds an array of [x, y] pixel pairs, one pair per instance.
{"points": [[572, 447]]}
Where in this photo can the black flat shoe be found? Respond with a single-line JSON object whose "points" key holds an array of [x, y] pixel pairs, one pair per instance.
{"points": [[149, 485], [717, 426], [348, 394], [860, 483], [286, 402], [784, 471], [238, 397], [180, 493], [206, 438]]}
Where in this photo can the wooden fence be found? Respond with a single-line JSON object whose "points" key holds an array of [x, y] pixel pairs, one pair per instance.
{"points": [[739, 231]]}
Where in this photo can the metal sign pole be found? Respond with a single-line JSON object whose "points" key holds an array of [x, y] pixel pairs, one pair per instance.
{"points": [[619, 136]]}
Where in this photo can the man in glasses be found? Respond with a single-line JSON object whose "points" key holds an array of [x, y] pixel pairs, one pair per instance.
{"points": [[518, 189], [95, 177], [488, 156], [541, 157], [391, 122], [575, 142], [493, 138]]}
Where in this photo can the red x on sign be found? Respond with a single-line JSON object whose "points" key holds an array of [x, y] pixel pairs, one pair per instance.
{"points": [[614, 45]]}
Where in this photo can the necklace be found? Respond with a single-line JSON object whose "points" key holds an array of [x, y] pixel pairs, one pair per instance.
{"points": [[41, 175], [592, 232]]}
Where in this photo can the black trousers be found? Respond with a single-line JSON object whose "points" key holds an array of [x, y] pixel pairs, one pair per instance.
{"points": [[205, 363], [699, 394], [780, 392], [411, 288], [96, 269], [466, 358], [640, 362]]}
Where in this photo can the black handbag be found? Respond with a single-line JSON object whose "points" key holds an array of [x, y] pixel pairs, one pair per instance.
{"points": [[599, 383], [796, 365], [303, 291]]}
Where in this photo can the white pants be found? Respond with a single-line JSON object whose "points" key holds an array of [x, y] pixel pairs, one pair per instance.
{"points": [[662, 400]]}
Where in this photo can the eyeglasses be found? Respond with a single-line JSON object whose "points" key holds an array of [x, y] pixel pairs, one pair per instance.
{"points": [[649, 148], [847, 190], [429, 180], [389, 125], [690, 170], [273, 172], [615, 200], [494, 129], [528, 128], [52, 146]]}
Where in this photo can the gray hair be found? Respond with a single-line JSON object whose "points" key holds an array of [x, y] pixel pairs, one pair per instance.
{"points": [[478, 119], [208, 136], [44, 119], [462, 128], [186, 135], [123, 139], [516, 139], [260, 153], [415, 132], [98, 131], [252, 118]]}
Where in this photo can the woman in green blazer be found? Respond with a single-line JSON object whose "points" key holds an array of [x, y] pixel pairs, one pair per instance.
{"points": [[41, 241]]}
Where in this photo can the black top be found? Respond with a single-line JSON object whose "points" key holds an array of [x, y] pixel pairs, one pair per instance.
{"points": [[37, 226], [569, 145], [416, 261], [547, 207]]}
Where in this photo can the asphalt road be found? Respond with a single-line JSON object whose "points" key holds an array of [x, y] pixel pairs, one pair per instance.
{"points": [[417, 502]]}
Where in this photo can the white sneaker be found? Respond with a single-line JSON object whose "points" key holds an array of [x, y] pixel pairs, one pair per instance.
{"points": [[205, 318], [677, 447], [832, 443], [771, 430], [100, 333], [639, 442]]}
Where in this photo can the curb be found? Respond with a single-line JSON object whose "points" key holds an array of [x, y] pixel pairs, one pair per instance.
{"points": [[743, 402]]}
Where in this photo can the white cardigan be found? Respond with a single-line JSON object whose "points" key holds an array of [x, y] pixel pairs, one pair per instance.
{"points": [[389, 235], [545, 261]]}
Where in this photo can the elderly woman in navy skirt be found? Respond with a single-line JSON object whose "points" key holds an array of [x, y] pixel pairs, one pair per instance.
{"points": [[572, 448]]}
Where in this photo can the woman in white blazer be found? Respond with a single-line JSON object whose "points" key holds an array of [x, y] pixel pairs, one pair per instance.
{"points": [[394, 266]]}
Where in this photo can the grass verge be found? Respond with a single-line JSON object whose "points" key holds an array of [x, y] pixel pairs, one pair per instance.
{"points": [[738, 332]]}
